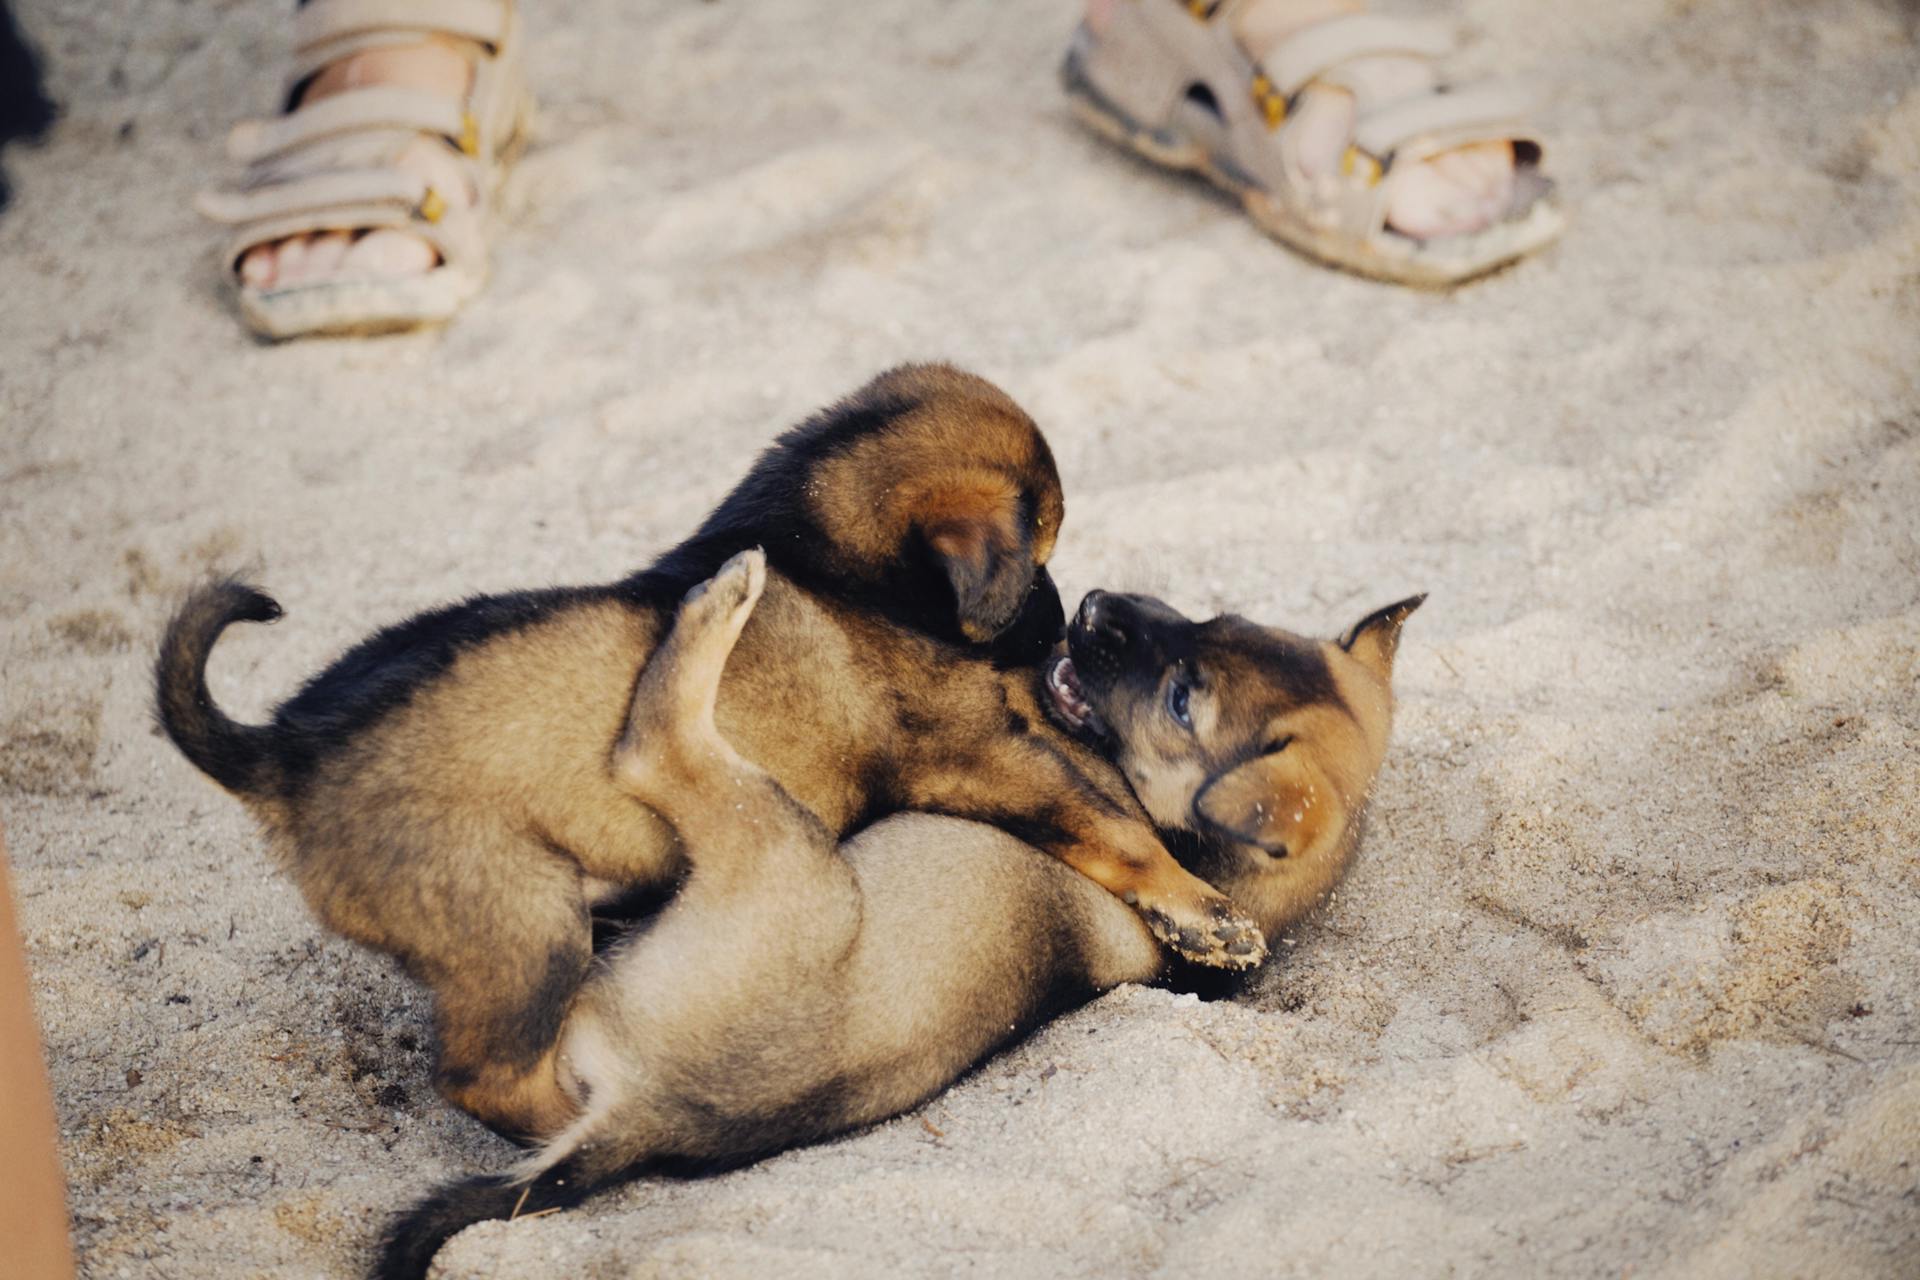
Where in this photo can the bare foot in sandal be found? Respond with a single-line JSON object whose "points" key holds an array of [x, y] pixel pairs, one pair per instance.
{"points": [[1454, 193], [433, 66], [1329, 123], [364, 209]]}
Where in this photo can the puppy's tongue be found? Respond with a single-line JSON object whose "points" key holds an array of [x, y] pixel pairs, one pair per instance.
{"points": [[1069, 700]]}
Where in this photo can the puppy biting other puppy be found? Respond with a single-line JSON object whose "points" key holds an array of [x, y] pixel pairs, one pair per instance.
{"points": [[796, 988], [443, 793]]}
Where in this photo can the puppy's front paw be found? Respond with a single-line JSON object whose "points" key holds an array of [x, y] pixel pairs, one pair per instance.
{"points": [[1214, 933]]}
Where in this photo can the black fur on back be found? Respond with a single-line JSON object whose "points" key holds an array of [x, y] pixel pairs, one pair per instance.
{"points": [[768, 508], [381, 673]]}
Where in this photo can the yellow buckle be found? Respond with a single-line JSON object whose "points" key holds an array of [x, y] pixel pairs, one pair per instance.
{"points": [[433, 205], [1272, 103], [1352, 161], [469, 134]]}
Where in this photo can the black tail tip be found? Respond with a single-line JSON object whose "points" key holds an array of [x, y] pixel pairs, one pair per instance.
{"points": [[245, 602], [408, 1248], [412, 1239], [262, 608]]}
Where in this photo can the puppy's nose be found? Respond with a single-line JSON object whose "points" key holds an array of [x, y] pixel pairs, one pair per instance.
{"points": [[1102, 617]]}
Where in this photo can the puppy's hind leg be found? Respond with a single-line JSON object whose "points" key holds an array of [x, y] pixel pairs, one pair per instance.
{"points": [[726, 808], [671, 755], [671, 744], [747, 955], [672, 709]]}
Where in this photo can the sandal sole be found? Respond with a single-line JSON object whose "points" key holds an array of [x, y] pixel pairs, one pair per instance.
{"points": [[1484, 253]]}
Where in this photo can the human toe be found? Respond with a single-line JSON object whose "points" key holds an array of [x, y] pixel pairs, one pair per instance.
{"points": [[257, 267], [386, 253]]}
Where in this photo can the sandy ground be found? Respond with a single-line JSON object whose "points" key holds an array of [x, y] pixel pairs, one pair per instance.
{"points": [[1624, 983]]}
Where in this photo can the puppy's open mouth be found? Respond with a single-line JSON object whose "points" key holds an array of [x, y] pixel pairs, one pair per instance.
{"points": [[1069, 700]]}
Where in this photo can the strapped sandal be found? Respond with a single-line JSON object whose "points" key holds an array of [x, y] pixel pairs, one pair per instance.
{"points": [[1170, 81], [330, 166]]}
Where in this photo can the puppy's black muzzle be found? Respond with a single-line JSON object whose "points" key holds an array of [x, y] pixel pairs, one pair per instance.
{"points": [[1030, 637], [1114, 637]]}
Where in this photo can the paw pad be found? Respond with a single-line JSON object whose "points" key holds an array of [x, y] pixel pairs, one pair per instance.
{"points": [[1232, 943]]}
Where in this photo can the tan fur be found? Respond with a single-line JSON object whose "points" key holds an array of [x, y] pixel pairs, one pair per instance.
{"points": [[796, 984], [1281, 825], [470, 826], [797, 988]]}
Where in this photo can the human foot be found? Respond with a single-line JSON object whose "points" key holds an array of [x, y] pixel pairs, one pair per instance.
{"points": [[434, 66], [363, 209], [1328, 123], [1455, 192]]}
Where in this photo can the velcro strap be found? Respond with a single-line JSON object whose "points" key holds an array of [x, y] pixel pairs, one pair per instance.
{"points": [[387, 187], [1307, 54], [320, 22], [1496, 108], [381, 107]]}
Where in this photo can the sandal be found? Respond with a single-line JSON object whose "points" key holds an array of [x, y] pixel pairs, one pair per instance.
{"points": [[1170, 81], [330, 166]]}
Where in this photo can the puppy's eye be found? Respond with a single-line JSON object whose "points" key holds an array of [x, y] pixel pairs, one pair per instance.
{"points": [[1180, 702], [1278, 745]]}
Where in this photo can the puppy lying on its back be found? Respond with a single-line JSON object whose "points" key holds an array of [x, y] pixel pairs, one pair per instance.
{"points": [[793, 990], [443, 792]]}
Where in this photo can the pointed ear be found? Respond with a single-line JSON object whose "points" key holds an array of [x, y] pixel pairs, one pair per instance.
{"points": [[976, 534], [1376, 638], [1267, 802]]}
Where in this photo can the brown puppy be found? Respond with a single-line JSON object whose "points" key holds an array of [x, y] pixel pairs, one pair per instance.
{"points": [[1251, 748], [443, 791], [795, 988]]}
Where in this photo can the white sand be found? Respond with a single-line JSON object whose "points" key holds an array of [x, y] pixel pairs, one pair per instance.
{"points": [[1625, 980]]}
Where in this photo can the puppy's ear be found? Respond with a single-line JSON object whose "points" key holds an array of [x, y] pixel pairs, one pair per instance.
{"points": [[976, 531], [1376, 638], [1273, 802]]}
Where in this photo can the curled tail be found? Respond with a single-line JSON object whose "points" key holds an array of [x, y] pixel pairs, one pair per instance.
{"points": [[237, 756], [407, 1249]]}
